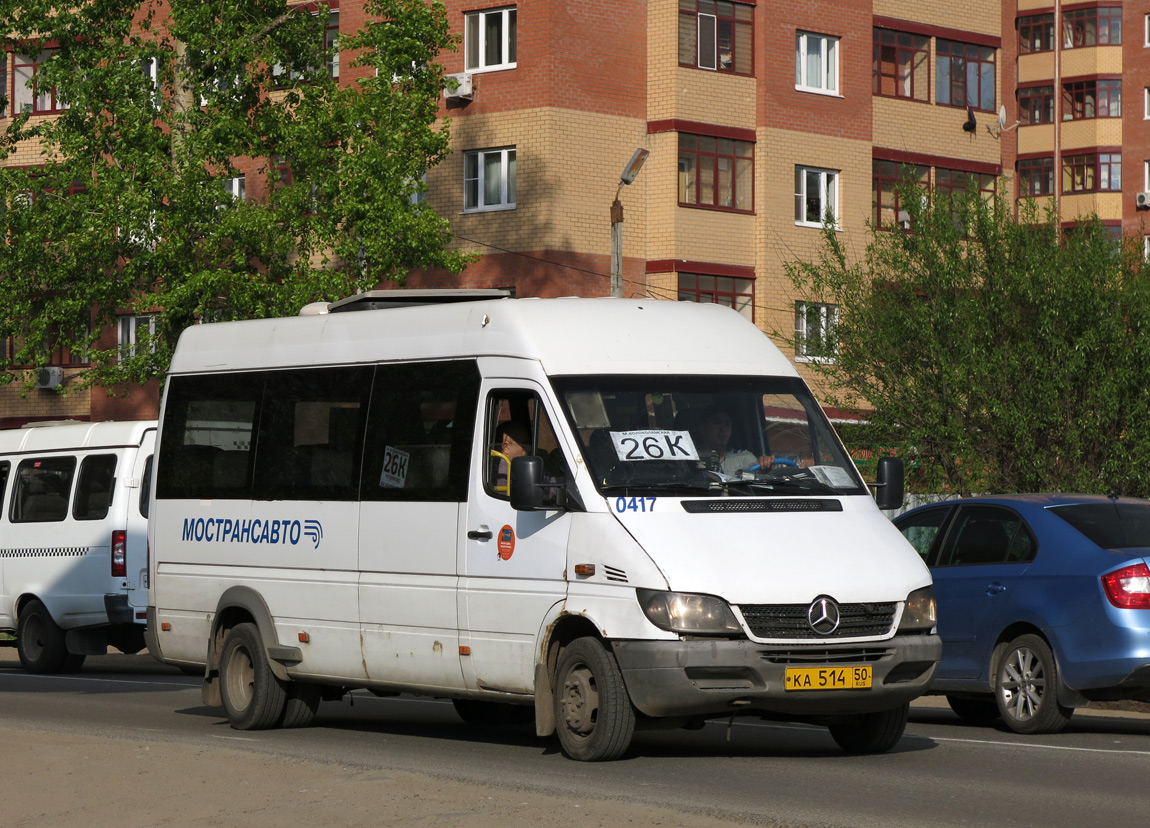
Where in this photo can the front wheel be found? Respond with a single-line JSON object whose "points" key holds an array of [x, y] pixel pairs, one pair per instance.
{"points": [[871, 732], [1027, 688], [40, 641], [253, 697], [593, 713]]}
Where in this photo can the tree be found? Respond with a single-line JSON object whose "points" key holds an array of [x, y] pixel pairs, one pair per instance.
{"points": [[1003, 353], [127, 199]]}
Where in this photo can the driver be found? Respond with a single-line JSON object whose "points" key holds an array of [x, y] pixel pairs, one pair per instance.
{"points": [[713, 442]]}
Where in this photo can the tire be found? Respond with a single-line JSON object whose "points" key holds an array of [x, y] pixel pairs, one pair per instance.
{"points": [[593, 713], [1026, 688], [871, 732], [253, 697], [974, 709], [40, 641], [301, 704], [72, 663]]}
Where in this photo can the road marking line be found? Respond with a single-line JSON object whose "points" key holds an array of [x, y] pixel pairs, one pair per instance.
{"points": [[101, 680]]}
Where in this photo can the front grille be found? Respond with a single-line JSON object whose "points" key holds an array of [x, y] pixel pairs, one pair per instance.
{"points": [[789, 621], [812, 656]]}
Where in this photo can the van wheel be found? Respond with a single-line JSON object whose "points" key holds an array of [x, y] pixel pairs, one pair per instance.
{"points": [[1027, 688], [301, 703], [40, 641], [593, 713], [253, 697], [871, 732]]}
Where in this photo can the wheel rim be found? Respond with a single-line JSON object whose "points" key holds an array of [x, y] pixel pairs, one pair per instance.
{"points": [[34, 636], [580, 701], [1022, 684], [240, 678]]}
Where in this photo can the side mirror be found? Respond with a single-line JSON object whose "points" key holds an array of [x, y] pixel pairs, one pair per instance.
{"points": [[889, 486], [528, 487]]}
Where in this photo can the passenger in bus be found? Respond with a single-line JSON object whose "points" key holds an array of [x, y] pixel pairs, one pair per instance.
{"points": [[512, 438], [712, 439]]}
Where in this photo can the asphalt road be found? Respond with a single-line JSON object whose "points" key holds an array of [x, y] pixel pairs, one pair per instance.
{"points": [[943, 773]]}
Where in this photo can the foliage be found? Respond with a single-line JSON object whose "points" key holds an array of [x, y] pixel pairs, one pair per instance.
{"points": [[1002, 353], [127, 207]]}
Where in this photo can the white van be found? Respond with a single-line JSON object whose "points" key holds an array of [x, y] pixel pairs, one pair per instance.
{"points": [[332, 510], [73, 540]]}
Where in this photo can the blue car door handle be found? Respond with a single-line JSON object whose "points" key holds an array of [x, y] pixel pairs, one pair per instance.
{"points": [[995, 589]]}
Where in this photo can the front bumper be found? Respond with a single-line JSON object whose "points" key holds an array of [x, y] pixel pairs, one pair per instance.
{"points": [[712, 678]]}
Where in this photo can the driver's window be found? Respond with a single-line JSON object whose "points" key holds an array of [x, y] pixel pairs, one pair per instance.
{"points": [[517, 425]]}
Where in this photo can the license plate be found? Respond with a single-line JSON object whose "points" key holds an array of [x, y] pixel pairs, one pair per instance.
{"points": [[827, 678]]}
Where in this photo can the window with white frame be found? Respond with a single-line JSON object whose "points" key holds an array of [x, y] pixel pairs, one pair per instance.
{"points": [[4, 88], [489, 179], [1146, 103], [816, 331], [331, 43], [136, 331], [816, 63], [489, 40], [816, 196], [418, 193], [236, 187]]}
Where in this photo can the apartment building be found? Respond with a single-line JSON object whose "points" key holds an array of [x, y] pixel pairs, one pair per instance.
{"points": [[758, 118]]}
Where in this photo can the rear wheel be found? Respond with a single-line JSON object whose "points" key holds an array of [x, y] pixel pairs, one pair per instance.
{"points": [[40, 641], [871, 732], [593, 713], [1027, 688], [253, 697], [972, 709]]}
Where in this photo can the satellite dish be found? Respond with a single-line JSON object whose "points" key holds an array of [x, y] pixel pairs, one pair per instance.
{"points": [[1002, 117]]}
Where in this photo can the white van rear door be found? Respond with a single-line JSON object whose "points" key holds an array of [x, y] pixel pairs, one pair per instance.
{"points": [[514, 564], [137, 525]]}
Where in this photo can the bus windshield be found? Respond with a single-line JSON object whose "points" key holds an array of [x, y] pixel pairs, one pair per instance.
{"points": [[702, 435]]}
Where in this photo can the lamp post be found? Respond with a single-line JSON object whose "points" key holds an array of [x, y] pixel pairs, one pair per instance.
{"points": [[628, 175]]}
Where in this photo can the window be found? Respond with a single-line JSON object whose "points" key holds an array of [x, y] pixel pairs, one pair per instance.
{"points": [[816, 196], [1035, 177], [1146, 30], [136, 330], [331, 43], [987, 535], [518, 426], [1100, 26], [51, 349], [901, 65], [887, 177], [1146, 103], [94, 487], [4, 91], [43, 485], [422, 424], [954, 182], [283, 74], [964, 75], [716, 172], [1035, 34], [490, 40], [1091, 99], [1093, 172], [816, 63], [28, 95], [719, 290], [236, 187], [489, 179], [922, 528], [816, 331], [718, 35], [309, 427], [1036, 105]]}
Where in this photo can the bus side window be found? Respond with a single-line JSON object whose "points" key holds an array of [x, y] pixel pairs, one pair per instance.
{"points": [[42, 488], [94, 490], [421, 422], [5, 469]]}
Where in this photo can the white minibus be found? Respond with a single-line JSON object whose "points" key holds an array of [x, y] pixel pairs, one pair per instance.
{"points": [[73, 540], [608, 514]]}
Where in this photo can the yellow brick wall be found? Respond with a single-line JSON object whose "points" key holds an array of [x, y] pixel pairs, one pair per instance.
{"points": [[982, 16], [17, 402], [1093, 60], [1092, 132], [1106, 205]]}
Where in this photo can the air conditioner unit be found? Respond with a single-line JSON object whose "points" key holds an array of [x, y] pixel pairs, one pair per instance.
{"points": [[1142, 201], [49, 377], [462, 90]]}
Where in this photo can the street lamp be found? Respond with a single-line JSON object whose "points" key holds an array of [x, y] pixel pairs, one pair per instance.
{"points": [[628, 175]]}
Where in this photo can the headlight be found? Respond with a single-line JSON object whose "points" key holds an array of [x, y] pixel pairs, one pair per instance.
{"points": [[683, 612], [919, 613]]}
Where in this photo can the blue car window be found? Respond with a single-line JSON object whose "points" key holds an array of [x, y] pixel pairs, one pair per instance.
{"points": [[922, 528], [1116, 525], [987, 535]]}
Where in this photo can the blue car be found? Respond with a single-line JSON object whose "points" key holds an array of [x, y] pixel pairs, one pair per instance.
{"points": [[1043, 603]]}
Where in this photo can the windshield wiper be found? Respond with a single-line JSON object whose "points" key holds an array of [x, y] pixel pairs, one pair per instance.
{"points": [[806, 484]]}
